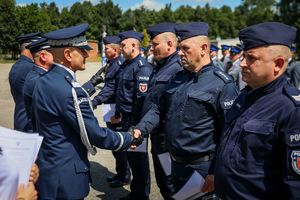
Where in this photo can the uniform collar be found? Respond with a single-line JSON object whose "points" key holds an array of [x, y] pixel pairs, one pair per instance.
{"points": [[165, 61], [281, 80], [68, 70], [39, 68], [22, 57]]}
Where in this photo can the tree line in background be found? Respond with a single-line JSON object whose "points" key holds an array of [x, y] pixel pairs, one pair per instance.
{"points": [[224, 22]]}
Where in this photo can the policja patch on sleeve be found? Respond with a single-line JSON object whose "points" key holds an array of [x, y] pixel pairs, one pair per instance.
{"points": [[295, 155]]}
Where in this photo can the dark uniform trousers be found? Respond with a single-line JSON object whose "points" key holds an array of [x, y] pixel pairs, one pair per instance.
{"points": [[164, 182], [122, 165], [140, 184]]}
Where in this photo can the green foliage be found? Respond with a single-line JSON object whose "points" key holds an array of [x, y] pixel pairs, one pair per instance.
{"points": [[105, 15], [146, 39]]}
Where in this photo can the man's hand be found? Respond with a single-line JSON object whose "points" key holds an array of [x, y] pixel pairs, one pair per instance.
{"points": [[26, 192], [34, 173], [137, 137], [115, 120], [97, 78], [209, 183]]}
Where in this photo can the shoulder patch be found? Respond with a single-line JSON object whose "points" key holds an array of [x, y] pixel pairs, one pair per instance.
{"points": [[295, 156], [225, 77], [293, 93]]}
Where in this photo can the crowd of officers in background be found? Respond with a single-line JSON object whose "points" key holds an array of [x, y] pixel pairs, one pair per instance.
{"points": [[232, 120]]}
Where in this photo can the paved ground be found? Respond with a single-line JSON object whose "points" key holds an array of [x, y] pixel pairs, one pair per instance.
{"points": [[102, 165]]}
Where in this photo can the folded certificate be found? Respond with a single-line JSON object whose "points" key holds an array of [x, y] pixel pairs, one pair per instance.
{"points": [[165, 161], [191, 189], [108, 110], [21, 148]]}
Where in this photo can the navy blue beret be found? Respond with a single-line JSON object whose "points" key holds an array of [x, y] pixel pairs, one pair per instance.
{"points": [[157, 29], [214, 47], [267, 33], [225, 47], [235, 49], [188, 30], [73, 36], [111, 40], [39, 45], [131, 34], [30, 37]]}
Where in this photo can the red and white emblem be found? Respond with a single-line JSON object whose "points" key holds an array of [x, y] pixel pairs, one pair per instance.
{"points": [[143, 87], [296, 161]]}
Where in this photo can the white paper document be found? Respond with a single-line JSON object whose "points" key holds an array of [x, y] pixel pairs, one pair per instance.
{"points": [[108, 110], [191, 189], [142, 148], [21, 148], [166, 163]]}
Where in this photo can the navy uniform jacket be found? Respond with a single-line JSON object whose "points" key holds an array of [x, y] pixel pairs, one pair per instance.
{"points": [[254, 160], [293, 73], [132, 82], [194, 106], [17, 77], [107, 94], [62, 160], [30, 81], [163, 73]]}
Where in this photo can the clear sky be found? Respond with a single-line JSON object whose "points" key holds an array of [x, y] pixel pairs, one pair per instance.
{"points": [[151, 4]]}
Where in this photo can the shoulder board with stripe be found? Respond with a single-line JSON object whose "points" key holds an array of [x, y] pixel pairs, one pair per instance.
{"points": [[293, 93], [225, 77]]}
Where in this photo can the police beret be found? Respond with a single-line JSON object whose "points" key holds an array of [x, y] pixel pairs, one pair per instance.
{"points": [[236, 49], [188, 30], [31, 37], [225, 47], [266, 34], [39, 45], [131, 34], [73, 36], [157, 29], [111, 40], [214, 47]]}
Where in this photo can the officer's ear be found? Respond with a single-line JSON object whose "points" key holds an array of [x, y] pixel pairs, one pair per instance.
{"points": [[67, 54], [279, 64], [204, 48]]}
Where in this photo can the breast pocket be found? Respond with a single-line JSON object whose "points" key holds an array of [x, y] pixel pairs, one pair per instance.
{"points": [[197, 107], [128, 81], [255, 145]]}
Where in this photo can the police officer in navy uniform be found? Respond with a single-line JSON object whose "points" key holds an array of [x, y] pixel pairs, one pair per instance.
{"points": [[17, 77], [107, 96], [167, 64], [214, 57], [132, 86], [66, 121], [43, 61], [193, 107], [293, 70], [258, 156]]}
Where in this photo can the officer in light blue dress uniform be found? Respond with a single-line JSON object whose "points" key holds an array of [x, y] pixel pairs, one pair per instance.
{"points": [[132, 88], [259, 152], [17, 77], [214, 57], [66, 121], [193, 108], [39, 68], [225, 52]]}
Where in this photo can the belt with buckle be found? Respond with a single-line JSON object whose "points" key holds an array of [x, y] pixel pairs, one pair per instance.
{"points": [[192, 158]]}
